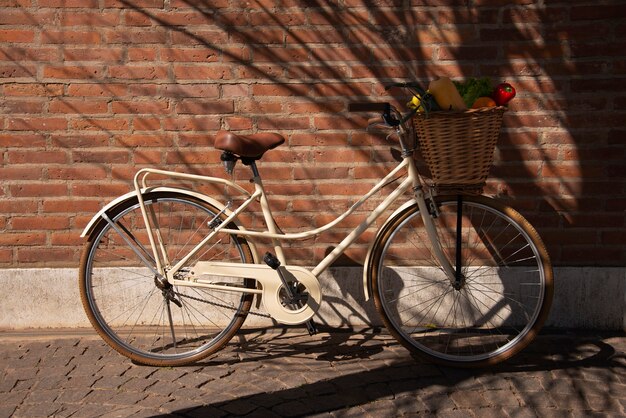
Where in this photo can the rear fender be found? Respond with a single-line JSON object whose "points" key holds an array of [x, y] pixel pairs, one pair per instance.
{"points": [[131, 195]]}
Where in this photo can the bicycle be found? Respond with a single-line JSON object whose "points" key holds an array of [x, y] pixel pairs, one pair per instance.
{"points": [[168, 274]]}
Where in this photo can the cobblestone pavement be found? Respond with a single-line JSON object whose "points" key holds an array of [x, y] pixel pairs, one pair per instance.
{"points": [[289, 373]]}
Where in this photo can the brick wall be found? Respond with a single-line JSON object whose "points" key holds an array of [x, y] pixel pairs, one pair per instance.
{"points": [[92, 90]]}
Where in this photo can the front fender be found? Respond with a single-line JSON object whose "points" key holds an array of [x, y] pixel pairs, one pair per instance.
{"points": [[130, 195], [367, 284]]}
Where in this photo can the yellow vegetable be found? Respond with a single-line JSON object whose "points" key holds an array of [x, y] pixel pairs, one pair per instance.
{"points": [[446, 95], [416, 103]]}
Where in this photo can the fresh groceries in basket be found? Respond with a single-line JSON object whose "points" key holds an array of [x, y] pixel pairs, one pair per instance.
{"points": [[473, 93]]}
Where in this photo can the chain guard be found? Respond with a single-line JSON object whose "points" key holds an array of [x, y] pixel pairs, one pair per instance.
{"points": [[272, 297]]}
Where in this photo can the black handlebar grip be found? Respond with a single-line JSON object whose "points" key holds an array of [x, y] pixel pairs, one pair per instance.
{"points": [[369, 107]]}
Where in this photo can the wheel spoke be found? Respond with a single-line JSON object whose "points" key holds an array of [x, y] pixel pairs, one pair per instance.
{"points": [[502, 291], [138, 312]]}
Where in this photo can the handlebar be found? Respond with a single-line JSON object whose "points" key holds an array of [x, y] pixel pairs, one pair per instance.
{"points": [[409, 85], [369, 107], [391, 115]]}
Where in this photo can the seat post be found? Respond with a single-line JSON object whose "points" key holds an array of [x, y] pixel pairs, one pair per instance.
{"points": [[255, 171], [265, 208], [252, 163]]}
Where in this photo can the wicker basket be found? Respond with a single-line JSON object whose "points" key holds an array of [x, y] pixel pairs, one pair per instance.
{"points": [[458, 147]]}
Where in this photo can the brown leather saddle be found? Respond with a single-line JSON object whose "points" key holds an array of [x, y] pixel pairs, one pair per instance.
{"points": [[247, 146]]}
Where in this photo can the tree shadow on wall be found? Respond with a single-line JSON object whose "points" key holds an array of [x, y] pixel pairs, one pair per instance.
{"points": [[326, 56], [321, 56]]}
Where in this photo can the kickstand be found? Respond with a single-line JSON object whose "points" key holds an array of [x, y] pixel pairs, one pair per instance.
{"points": [[310, 326]]}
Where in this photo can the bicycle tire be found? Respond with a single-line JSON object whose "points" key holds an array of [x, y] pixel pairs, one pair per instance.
{"points": [[503, 297], [150, 325]]}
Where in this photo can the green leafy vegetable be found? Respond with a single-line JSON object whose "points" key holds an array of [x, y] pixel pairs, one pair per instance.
{"points": [[473, 88]]}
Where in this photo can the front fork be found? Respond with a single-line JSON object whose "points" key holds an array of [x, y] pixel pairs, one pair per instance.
{"points": [[429, 212]]}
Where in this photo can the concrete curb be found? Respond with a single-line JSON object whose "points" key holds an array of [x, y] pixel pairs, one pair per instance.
{"points": [[585, 297]]}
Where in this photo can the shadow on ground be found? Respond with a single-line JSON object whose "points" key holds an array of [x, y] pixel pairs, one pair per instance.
{"points": [[401, 384]]}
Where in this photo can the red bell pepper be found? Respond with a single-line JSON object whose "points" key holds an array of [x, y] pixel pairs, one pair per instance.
{"points": [[503, 93]]}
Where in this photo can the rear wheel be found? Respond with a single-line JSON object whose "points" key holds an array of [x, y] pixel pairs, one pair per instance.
{"points": [[132, 309], [495, 306]]}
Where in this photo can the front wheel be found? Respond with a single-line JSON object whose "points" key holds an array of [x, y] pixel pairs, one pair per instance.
{"points": [[491, 310], [136, 312]]}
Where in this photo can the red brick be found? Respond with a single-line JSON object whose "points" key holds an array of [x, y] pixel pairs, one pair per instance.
{"points": [[93, 54], [137, 140], [73, 72], [20, 173], [38, 190], [16, 35], [17, 71], [202, 107], [91, 19], [32, 89], [194, 36], [114, 156], [70, 206], [23, 106], [37, 124], [138, 72], [28, 223], [81, 107], [22, 238], [66, 239], [77, 173], [68, 3], [213, 72], [140, 106], [122, 4], [99, 189], [73, 37], [100, 124], [48, 256]]}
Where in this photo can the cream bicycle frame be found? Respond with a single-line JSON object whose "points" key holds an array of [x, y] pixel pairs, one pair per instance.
{"points": [[411, 179]]}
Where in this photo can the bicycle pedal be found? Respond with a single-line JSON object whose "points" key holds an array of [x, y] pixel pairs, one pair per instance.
{"points": [[271, 260], [310, 326]]}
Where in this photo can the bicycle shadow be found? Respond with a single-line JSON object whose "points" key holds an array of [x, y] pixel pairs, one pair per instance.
{"points": [[409, 383]]}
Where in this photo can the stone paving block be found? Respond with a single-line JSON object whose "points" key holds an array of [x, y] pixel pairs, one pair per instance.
{"points": [[88, 411], [127, 398], [525, 384], [51, 382], [121, 412], [569, 401], [363, 376], [501, 398], [100, 396], [73, 395], [456, 413], [36, 410], [295, 408], [519, 412], [110, 382], [42, 396], [7, 410], [81, 382], [436, 401], [26, 384], [7, 382], [536, 399], [84, 368], [469, 399], [154, 401], [238, 407], [259, 413]]}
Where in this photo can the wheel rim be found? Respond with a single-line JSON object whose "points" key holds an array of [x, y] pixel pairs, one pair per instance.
{"points": [[486, 317], [132, 310]]}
